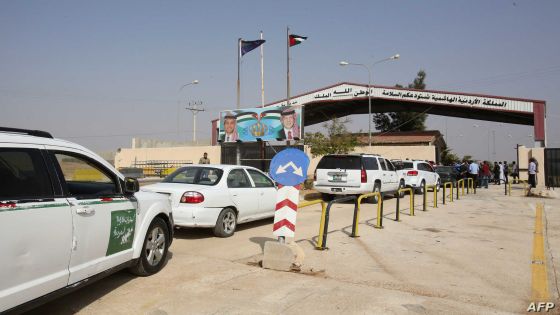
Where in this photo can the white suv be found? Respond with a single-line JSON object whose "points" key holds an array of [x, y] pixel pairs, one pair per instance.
{"points": [[417, 174], [68, 217], [353, 174]]}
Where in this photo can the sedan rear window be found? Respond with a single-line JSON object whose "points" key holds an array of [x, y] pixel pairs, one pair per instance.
{"points": [[408, 165], [346, 162], [195, 175]]}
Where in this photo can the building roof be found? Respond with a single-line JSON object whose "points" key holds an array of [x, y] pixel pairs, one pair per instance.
{"points": [[401, 137]]}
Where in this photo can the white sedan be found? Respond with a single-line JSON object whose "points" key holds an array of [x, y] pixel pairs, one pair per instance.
{"points": [[218, 196]]}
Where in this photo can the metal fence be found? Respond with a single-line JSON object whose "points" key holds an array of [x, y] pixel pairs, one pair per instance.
{"points": [[552, 167], [159, 168]]}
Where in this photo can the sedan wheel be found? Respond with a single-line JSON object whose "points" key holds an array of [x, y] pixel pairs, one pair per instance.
{"points": [[226, 223]]}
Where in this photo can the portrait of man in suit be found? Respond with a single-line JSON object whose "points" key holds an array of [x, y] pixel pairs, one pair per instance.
{"points": [[230, 128], [290, 128]]}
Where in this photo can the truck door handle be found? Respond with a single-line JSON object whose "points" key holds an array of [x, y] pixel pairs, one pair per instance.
{"points": [[85, 211]]}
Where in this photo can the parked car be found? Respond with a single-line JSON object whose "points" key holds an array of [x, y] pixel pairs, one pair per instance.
{"points": [[418, 174], [67, 217], [354, 174], [448, 174], [218, 196]]}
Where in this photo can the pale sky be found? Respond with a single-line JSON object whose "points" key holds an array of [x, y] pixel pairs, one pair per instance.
{"points": [[101, 72]]}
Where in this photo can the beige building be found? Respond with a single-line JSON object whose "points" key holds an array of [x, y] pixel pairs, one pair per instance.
{"points": [[424, 145]]}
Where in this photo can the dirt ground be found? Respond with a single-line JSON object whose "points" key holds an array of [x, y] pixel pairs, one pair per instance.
{"points": [[471, 256]]}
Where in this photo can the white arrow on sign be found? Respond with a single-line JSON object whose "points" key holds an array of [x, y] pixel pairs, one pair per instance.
{"points": [[297, 170]]}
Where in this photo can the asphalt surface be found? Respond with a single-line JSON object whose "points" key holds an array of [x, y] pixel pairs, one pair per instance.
{"points": [[471, 256]]}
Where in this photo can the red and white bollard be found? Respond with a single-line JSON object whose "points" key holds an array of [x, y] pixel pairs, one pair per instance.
{"points": [[286, 211]]}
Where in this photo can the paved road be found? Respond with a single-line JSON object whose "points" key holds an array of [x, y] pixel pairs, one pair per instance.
{"points": [[471, 256]]}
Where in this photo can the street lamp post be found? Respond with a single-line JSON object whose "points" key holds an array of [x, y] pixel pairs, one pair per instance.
{"points": [[368, 68], [179, 102]]}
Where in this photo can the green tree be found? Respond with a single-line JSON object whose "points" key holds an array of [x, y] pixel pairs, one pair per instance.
{"points": [[338, 139], [404, 121], [447, 157]]}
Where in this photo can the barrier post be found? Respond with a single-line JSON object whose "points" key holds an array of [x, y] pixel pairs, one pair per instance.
{"points": [[322, 222], [468, 186], [397, 212], [450, 184], [327, 213], [462, 181], [355, 221], [456, 184], [379, 209], [435, 198], [424, 198]]}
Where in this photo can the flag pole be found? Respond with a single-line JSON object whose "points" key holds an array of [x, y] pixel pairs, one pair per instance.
{"points": [[288, 67], [238, 71], [262, 71]]}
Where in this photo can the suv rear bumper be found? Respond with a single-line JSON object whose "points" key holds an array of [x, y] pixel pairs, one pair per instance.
{"points": [[342, 190]]}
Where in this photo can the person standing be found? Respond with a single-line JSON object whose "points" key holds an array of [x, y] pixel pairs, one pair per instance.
{"points": [[485, 174], [496, 173], [515, 172], [506, 171], [473, 173], [532, 170], [204, 159], [501, 177]]}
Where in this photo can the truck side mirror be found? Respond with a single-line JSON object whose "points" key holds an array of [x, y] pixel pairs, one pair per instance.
{"points": [[131, 185]]}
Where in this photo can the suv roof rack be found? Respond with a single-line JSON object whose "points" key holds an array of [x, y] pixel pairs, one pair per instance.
{"points": [[35, 133]]}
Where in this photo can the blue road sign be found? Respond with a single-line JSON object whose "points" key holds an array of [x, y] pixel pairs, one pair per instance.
{"points": [[289, 167]]}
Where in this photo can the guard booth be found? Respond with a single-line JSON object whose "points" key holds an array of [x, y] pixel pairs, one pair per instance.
{"points": [[255, 154], [552, 167]]}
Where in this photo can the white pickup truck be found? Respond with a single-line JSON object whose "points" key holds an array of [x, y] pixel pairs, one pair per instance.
{"points": [[67, 218], [354, 174]]}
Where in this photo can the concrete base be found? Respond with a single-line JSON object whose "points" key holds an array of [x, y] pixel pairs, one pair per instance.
{"points": [[282, 257]]}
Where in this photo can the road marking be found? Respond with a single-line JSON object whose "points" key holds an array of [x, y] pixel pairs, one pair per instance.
{"points": [[539, 283]]}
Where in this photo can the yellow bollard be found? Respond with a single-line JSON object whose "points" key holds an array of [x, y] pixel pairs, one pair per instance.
{"points": [[379, 209], [462, 181], [323, 213], [450, 184], [397, 214]]}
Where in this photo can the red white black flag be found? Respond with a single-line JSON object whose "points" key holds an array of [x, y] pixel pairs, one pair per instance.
{"points": [[296, 39]]}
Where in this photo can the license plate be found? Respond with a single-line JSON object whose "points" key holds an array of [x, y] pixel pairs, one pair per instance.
{"points": [[337, 178], [336, 189]]}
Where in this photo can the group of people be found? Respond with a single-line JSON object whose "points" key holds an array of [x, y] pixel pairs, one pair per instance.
{"points": [[483, 173]]}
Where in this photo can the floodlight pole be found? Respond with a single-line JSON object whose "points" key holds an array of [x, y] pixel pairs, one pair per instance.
{"points": [[368, 68]]}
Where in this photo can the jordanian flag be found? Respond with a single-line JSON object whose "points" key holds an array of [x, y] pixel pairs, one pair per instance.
{"points": [[296, 39], [248, 45]]}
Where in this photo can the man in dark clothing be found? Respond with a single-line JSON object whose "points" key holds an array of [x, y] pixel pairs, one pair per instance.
{"points": [[506, 172], [515, 172], [496, 173]]}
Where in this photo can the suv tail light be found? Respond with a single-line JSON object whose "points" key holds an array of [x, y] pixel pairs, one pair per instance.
{"points": [[192, 197], [364, 176], [412, 173], [315, 176]]}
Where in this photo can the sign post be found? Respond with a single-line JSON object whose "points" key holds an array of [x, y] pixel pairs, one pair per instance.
{"points": [[289, 169]]}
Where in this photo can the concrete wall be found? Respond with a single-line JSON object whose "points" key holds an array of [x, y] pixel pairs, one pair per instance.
{"points": [[126, 157], [524, 155]]}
